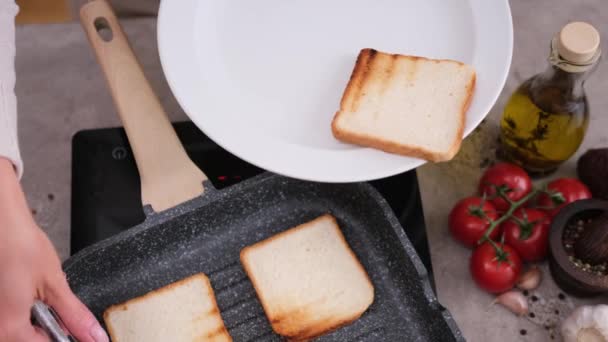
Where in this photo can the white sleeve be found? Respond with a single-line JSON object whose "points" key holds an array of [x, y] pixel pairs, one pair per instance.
{"points": [[9, 146]]}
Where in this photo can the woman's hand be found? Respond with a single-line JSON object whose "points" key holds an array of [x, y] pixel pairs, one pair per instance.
{"points": [[30, 269]]}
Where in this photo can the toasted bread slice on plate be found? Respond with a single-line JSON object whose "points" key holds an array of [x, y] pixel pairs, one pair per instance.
{"points": [[184, 311], [308, 279], [408, 105]]}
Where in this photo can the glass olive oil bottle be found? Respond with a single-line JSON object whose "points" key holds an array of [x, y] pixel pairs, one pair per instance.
{"points": [[545, 120]]}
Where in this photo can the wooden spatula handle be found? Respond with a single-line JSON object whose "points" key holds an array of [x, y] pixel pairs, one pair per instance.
{"points": [[168, 176]]}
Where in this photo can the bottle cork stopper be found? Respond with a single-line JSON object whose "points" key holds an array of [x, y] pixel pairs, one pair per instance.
{"points": [[578, 42]]}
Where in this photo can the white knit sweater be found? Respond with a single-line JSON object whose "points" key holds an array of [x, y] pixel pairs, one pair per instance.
{"points": [[9, 146]]}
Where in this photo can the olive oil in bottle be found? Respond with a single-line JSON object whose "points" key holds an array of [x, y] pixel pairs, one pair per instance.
{"points": [[545, 120]]}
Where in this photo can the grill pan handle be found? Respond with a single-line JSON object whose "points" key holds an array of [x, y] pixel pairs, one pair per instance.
{"points": [[168, 176]]}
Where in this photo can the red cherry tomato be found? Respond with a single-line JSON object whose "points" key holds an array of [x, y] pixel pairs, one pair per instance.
{"points": [[469, 220], [512, 178], [495, 271], [570, 189], [528, 233]]}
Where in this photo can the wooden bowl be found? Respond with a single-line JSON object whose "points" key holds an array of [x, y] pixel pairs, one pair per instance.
{"points": [[567, 276]]}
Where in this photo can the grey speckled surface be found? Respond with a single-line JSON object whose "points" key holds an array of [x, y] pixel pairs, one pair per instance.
{"points": [[61, 90]]}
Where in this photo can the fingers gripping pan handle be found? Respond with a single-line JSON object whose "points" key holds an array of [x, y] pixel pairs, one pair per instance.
{"points": [[168, 176], [47, 319]]}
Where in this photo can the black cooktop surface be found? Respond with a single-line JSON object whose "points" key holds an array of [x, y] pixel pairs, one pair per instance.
{"points": [[106, 189]]}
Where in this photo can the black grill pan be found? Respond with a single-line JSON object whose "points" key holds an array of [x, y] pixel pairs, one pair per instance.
{"points": [[185, 234], [207, 234]]}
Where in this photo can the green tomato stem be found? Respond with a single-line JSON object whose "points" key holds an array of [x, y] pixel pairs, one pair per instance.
{"points": [[513, 207]]}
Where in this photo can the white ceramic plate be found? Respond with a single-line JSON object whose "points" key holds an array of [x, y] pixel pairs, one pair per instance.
{"points": [[263, 78]]}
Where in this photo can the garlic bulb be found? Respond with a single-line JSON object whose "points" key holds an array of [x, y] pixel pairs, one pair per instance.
{"points": [[586, 324]]}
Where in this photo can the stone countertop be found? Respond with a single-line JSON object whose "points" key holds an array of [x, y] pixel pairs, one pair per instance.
{"points": [[442, 185], [61, 90]]}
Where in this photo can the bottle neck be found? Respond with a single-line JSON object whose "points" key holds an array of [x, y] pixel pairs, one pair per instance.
{"points": [[570, 84], [567, 77]]}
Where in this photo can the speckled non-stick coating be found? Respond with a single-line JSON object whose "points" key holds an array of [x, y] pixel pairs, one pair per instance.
{"points": [[207, 234]]}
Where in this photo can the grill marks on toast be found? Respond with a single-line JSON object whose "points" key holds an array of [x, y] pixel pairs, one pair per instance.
{"points": [[372, 66], [212, 312], [354, 90], [287, 322], [391, 101], [289, 326], [219, 331]]}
